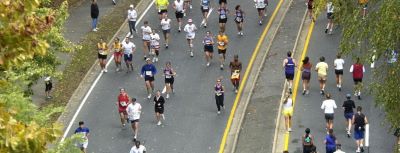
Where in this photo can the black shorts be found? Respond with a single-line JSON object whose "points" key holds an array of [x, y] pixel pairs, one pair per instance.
{"points": [[339, 72], [178, 15], [221, 51], [223, 20], [329, 15], [204, 10], [222, 1], [329, 116], [159, 110], [134, 121], [151, 79], [162, 11], [166, 31], [238, 19], [208, 48], [169, 80], [289, 76], [260, 9], [128, 57], [100, 56], [49, 86], [356, 81]]}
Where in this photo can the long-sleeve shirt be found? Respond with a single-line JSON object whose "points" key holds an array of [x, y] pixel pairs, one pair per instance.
{"points": [[94, 10], [148, 70]]}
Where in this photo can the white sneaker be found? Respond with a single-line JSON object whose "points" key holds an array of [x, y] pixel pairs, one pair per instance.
{"points": [[149, 96], [190, 6], [218, 112], [156, 59], [191, 54], [239, 33], [208, 64], [289, 130], [105, 70], [94, 30], [167, 96], [131, 36], [117, 69], [159, 123]]}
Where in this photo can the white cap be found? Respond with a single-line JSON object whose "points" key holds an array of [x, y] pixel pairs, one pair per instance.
{"points": [[131, 6], [190, 20]]}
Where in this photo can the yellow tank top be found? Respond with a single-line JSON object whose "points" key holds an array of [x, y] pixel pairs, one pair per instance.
{"points": [[117, 46], [102, 48], [222, 40]]}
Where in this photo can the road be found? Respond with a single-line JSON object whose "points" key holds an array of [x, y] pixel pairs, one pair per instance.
{"points": [[192, 124], [307, 108]]}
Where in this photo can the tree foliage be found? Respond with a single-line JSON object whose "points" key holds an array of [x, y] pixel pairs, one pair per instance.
{"points": [[377, 35]]}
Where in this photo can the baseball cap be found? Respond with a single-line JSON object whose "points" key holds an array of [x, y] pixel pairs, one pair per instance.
{"points": [[131, 6], [190, 20], [348, 95], [147, 59]]}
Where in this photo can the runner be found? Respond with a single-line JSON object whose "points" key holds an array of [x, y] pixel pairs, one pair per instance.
{"points": [[102, 54], [48, 86], [239, 19], [122, 103], [322, 69], [339, 63], [236, 67], [138, 148], [310, 7], [289, 64], [178, 6], [117, 47], [364, 6], [359, 122], [146, 31], [348, 107], [166, 28], [159, 107], [306, 75], [397, 135], [358, 71], [261, 6], [223, 16], [222, 41], [132, 17], [329, 15], [190, 30], [134, 110], [155, 45], [288, 112], [219, 90], [84, 131], [330, 142], [329, 105], [339, 149], [162, 6], [205, 8], [307, 141], [208, 47], [129, 48], [148, 71], [169, 74], [188, 3], [222, 1]]}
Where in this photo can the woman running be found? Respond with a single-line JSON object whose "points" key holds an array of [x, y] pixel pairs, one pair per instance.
{"points": [[117, 47], [288, 112], [190, 30], [223, 16], [155, 45], [102, 54], [146, 31], [322, 70], [122, 103], [308, 141], [166, 28], [306, 75], [239, 18], [169, 74], [208, 47], [205, 8], [159, 107], [330, 142], [219, 95], [310, 7], [338, 63]]}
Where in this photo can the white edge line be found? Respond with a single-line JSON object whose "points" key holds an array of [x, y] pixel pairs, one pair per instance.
{"points": [[97, 80]]}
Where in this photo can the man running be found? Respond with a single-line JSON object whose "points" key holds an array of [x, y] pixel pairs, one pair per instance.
{"points": [[223, 16], [364, 6], [239, 19], [178, 6], [148, 71], [289, 64], [162, 6], [134, 110], [322, 70], [146, 31], [219, 95], [166, 29], [187, 3], [102, 54], [84, 132], [190, 30], [122, 103], [208, 47], [117, 48], [306, 74], [348, 107], [159, 107], [222, 41], [205, 8], [129, 48], [138, 148], [155, 45], [132, 17], [329, 105], [359, 122], [169, 74], [329, 15], [261, 5], [310, 7], [236, 68], [339, 63], [358, 71]]}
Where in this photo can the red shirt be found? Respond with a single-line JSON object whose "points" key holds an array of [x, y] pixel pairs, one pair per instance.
{"points": [[358, 71], [123, 101]]}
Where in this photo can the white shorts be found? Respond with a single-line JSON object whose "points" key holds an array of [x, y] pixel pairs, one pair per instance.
{"points": [[82, 144], [190, 37]]}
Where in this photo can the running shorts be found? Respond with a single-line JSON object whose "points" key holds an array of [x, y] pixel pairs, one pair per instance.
{"points": [[118, 54], [191, 37], [356, 81], [122, 110], [288, 111], [101, 56], [238, 19], [223, 20], [329, 15], [162, 11], [133, 121], [83, 144], [204, 10], [329, 116], [159, 110], [358, 134], [289, 76], [321, 77], [261, 9], [169, 80], [339, 72], [166, 31], [147, 78], [178, 14], [221, 51], [49, 86], [208, 48], [128, 57], [348, 116]]}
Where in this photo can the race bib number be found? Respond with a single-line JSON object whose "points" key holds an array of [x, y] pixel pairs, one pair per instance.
{"points": [[123, 103], [168, 76], [205, 7], [148, 73], [238, 19], [223, 16], [219, 93], [235, 76], [221, 43]]}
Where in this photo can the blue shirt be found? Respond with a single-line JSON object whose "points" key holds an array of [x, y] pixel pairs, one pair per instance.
{"points": [[83, 130], [289, 67], [330, 141], [148, 70]]}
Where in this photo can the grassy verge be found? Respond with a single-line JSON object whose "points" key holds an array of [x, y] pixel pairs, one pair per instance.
{"points": [[86, 56]]}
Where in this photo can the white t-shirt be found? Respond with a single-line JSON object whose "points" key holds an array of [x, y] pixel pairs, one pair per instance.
{"points": [[166, 24], [141, 149], [190, 30], [328, 106], [179, 5], [288, 104], [132, 15], [329, 7], [338, 64], [128, 47], [134, 111], [146, 31], [154, 39], [260, 3]]}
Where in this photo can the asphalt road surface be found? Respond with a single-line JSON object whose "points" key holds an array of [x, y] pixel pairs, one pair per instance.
{"points": [[192, 124], [307, 109]]}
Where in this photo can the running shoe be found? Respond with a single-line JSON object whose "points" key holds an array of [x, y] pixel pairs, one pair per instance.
{"points": [[208, 64], [326, 30], [218, 112], [191, 54], [149, 96], [221, 67], [159, 123], [167, 96], [105, 70]]}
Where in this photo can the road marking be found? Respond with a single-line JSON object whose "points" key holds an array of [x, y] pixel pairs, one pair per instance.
{"points": [[296, 85], [97, 80], [246, 74], [208, 14]]}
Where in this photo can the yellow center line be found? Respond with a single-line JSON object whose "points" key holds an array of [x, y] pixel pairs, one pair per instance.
{"points": [[298, 74], [246, 74]]}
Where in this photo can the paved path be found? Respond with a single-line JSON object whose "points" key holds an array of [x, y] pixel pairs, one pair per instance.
{"points": [[307, 110], [192, 124]]}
